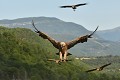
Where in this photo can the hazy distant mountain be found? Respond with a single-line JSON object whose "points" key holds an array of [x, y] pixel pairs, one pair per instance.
{"points": [[46, 24], [111, 34], [66, 31]]}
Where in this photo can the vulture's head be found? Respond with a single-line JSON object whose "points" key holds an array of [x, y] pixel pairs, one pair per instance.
{"points": [[62, 44], [73, 6]]}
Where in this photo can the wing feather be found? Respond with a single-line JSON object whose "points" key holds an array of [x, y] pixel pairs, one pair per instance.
{"points": [[45, 36], [93, 32], [79, 40], [80, 4], [105, 65], [91, 70], [69, 6]]}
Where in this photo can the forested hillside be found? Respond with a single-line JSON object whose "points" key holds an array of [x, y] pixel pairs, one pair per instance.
{"points": [[23, 56]]}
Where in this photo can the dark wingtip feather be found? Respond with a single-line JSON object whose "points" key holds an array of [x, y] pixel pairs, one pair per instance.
{"points": [[85, 3], [89, 36], [61, 6]]}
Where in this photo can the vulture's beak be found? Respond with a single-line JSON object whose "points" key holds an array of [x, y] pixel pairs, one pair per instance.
{"points": [[62, 46]]}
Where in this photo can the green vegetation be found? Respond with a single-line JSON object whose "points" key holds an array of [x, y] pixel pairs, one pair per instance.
{"points": [[23, 56]]}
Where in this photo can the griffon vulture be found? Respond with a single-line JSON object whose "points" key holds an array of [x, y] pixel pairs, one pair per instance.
{"points": [[99, 68], [64, 46], [73, 6], [57, 61]]}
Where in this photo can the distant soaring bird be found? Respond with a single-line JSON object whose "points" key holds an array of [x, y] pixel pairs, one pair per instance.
{"points": [[99, 68], [73, 6], [63, 46]]}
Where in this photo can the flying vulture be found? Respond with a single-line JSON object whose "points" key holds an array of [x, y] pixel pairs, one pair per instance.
{"points": [[73, 6], [57, 61], [99, 68], [63, 46]]}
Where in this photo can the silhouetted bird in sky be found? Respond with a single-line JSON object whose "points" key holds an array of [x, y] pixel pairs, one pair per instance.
{"points": [[73, 6], [64, 46], [99, 68]]}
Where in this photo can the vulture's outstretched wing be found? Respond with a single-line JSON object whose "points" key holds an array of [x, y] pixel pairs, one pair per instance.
{"points": [[91, 70], [80, 40], [105, 65], [34, 26], [99, 68], [45, 36], [93, 32], [80, 4], [68, 6]]}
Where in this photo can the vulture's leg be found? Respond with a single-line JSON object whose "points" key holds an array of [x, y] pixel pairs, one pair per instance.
{"points": [[73, 9], [65, 56], [60, 56]]}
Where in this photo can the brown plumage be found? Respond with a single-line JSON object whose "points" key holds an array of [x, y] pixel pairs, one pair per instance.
{"points": [[63, 46], [73, 6], [99, 68]]}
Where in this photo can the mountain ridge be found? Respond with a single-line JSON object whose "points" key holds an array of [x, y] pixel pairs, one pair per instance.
{"points": [[42, 23], [110, 34]]}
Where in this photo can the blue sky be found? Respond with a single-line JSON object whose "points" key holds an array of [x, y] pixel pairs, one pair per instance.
{"points": [[105, 13]]}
